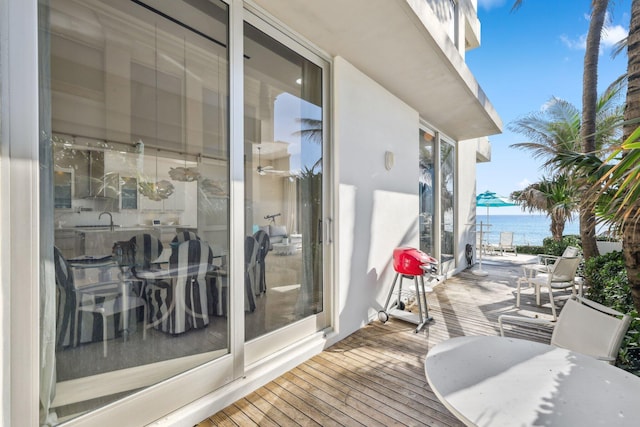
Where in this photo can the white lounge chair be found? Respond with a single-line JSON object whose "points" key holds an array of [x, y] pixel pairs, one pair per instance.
{"points": [[506, 243]]}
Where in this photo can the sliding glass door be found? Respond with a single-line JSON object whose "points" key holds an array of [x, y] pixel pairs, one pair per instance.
{"points": [[447, 205], [426, 190], [135, 189], [139, 240], [284, 123], [436, 190]]}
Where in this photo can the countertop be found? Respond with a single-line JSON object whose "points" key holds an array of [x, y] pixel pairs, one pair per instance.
{"points": [[101, 228]]}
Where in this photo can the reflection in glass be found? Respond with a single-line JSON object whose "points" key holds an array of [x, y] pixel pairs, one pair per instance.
{"points": [[425, 191], [447, 202], [283, 184], [139, 131], [63, 187]]}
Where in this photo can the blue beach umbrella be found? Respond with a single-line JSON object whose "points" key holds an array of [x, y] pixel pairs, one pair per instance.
{"points": [[491, 199]]}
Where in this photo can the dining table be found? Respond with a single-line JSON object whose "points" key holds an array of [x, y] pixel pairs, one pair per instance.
{"points": [[498, 381]]}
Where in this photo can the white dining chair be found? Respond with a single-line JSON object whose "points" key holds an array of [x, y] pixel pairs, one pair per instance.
{"points": [[584, 326]]}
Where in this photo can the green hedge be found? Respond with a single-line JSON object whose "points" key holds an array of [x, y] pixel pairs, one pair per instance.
{"points": [[607, 284], [550, 246], [531, 250]]}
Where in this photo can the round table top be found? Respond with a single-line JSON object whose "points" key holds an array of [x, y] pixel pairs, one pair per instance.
{"points": [[496, 381]]}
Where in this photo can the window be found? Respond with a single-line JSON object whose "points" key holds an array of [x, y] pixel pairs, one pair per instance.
{"points": [[426, 182], [139, 146], [283, 183], [447, 203]]}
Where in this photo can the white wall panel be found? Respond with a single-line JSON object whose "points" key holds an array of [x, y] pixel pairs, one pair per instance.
{"points": [[380, 207]]}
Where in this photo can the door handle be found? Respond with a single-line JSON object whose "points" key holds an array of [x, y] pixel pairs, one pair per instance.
{"points": [[328, 230]]}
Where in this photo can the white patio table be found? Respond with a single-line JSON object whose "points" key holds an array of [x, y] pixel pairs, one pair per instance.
{"points": [[496, 381]]}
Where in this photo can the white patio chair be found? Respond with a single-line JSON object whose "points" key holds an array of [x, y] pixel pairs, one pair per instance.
{"points": [[545, 264], [561, 276], [584, 326], [546, 261], [506, 243]]}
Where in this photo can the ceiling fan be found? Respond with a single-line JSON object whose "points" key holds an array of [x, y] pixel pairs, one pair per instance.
{"points": [[263, 170]]}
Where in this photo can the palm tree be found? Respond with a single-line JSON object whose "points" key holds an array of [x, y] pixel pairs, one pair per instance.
{"points": [[557, 197], [632, 111], [555, 132], [615, 189], [623, 206], [589, 99], [557, 128]]}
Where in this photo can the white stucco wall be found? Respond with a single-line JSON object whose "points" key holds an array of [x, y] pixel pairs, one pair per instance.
{"points": [[466, 191], [377, 209]]}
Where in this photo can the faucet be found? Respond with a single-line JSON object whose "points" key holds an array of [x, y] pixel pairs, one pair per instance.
{"points": [[110, 218]]}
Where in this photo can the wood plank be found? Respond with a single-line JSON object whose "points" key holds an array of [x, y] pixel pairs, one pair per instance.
{"points": [[239, 417], [380, 395], [352, 397], [287, 402], [332, 406], [375, 376], [267, 408], [401, 386]]}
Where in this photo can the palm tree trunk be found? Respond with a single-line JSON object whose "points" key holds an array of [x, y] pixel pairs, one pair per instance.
{"points": [[631, 254], [631, 231], [632, 109], [557, 229], [588, 126]]}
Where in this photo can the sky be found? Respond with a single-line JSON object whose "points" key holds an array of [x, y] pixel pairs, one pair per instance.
{"points": [[525, 58]]}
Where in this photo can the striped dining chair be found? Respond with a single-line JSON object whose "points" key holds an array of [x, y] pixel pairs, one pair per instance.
{"points": [[264, 245], [178, 302]]}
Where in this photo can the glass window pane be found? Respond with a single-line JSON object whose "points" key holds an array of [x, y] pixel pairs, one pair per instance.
{"points": [[447, 201], [139, 146], [425, 191], [283, 184]]}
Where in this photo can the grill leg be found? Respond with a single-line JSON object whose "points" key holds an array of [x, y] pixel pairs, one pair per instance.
{"points": [[393, 285], [424, 296], [421, 296]]}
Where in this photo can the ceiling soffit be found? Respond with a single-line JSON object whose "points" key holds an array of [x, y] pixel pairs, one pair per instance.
{"points": [[401, 45]]}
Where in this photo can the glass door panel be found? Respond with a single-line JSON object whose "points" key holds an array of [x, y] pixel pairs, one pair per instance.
{"points": [[426, 192], [283, 185], [139, 119], [447, 205]]}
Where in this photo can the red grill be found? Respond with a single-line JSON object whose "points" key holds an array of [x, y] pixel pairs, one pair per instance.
{"points": [[410, 263]]}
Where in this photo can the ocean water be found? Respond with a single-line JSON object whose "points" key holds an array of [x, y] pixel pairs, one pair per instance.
{"points": [[527, 229]]}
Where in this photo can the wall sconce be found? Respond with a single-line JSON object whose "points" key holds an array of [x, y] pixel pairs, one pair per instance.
{"points": [[389, 160]]}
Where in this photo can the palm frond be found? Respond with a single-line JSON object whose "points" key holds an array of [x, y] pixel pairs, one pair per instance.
{"points": [[619, 47]]}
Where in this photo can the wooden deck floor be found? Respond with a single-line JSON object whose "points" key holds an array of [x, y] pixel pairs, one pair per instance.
{"points": [[375, 377]]}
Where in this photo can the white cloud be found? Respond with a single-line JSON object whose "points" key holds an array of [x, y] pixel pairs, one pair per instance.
{"points": [[611, 34], [524, 184], [490, 4], [577, 44]]}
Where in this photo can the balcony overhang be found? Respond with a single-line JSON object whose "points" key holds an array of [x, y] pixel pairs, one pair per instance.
{"points": [[483, 150], [401, 45]]}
